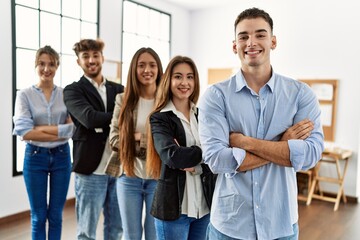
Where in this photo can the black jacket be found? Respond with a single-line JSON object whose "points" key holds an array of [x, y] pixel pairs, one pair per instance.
{"points": [[169, 192], [92, 121]]}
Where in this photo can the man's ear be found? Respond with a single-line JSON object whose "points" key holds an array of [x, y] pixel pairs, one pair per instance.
{"points": [[234, 47], [78, 61], [273, 42]]}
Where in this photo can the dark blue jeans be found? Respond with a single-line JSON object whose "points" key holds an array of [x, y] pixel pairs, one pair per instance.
{"points": [[43, 166], [183, 228]]}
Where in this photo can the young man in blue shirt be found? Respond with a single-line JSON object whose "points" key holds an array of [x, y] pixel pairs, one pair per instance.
{"points": [[256, 130]]}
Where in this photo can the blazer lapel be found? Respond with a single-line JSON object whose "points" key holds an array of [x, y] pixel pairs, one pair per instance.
{"points": [[179, 129], [110, 95], [93, 94]]}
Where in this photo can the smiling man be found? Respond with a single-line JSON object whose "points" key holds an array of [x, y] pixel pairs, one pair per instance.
{"points": [[256, 130], [91, 102]]}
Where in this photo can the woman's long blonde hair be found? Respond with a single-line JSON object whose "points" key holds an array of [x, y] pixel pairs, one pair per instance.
{"points": [[163, 96], [126, 116]]}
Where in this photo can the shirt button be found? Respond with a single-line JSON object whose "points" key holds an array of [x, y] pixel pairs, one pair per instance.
{"points": [[256, 183]]}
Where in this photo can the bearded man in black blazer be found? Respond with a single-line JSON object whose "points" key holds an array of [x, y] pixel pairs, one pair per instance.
{"points": [[90, 102]]}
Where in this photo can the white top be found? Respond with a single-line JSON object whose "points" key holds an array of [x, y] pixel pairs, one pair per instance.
{"points": [[194, 203], [145, 106], [100, 170]]}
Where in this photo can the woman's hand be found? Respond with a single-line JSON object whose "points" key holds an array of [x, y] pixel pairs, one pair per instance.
{"points": [[137, 136], [191, 169]]}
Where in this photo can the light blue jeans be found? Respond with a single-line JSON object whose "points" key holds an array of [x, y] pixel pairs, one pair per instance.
{"points": [[184, 228], [93, 194], [213, 234], [132, 193], [43, 165]]}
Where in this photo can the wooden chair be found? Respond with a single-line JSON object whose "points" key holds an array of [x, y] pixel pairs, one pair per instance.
{"points": [[334, 158]]}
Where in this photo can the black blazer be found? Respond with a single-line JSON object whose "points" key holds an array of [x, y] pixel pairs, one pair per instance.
{"points": [[92, 121], [169, 192]]}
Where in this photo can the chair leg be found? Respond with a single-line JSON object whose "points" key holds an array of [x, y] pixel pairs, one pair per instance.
{"points": [[311, 193]]}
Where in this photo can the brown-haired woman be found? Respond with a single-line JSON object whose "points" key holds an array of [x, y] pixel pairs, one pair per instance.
{"points": [[128, 137], [42, 120], [174, 155]]}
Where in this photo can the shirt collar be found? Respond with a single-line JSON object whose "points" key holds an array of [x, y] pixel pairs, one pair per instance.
{"points": [[39, 89], [102, 84], [241, 83], [171, 107], [271, 82]]}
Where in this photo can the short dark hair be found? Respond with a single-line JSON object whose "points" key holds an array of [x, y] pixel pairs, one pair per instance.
{"points": [[49, 51], [254, 12], [88, 44]]}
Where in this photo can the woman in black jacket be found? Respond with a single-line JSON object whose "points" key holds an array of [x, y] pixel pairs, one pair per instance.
{"points": [[174, 155]]}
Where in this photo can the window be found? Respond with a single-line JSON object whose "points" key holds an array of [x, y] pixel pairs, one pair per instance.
{"points": [[58, 23], [144, 27]]}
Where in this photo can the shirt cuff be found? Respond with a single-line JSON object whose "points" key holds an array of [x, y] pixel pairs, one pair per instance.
{"points": [[239, 156], [297, 154], [65, 130]]}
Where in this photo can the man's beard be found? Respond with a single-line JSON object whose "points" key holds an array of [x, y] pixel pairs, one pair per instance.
{"points": [[96, 74]]}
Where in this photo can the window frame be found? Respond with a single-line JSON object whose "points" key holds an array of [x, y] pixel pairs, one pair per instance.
{"points": [[124, 76], [15, 47]]}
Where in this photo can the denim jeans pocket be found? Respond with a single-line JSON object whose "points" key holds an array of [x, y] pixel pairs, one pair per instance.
{"points": [[30, 152]]}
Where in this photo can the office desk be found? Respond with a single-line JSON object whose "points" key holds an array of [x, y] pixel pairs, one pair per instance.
{"points": [[332, 157]]}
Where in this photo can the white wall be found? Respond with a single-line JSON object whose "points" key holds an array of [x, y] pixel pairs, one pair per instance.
{"points": [[313, 42], [12, 189], [316, 39]]}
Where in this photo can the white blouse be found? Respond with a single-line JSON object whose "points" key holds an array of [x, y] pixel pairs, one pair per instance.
{"points": [[194, 203]]}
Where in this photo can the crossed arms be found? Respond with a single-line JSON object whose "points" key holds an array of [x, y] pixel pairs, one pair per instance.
{"points": [[261, 152], [45, 133]]}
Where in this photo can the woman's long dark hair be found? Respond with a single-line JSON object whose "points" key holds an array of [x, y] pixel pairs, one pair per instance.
{"points": [[126, 117]]}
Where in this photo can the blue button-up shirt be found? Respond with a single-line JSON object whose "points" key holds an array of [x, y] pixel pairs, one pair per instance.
{"points": [[32, 109], [261, 203]]}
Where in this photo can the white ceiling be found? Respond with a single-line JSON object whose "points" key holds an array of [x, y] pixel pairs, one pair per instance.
{"points": [[199, 4]]}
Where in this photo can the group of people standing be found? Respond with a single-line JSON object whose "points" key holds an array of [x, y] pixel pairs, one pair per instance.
{"points": [[146, 145]]}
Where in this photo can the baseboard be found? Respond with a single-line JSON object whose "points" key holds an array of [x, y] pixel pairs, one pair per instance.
{"points": [[350, 199], [26, 214]]}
